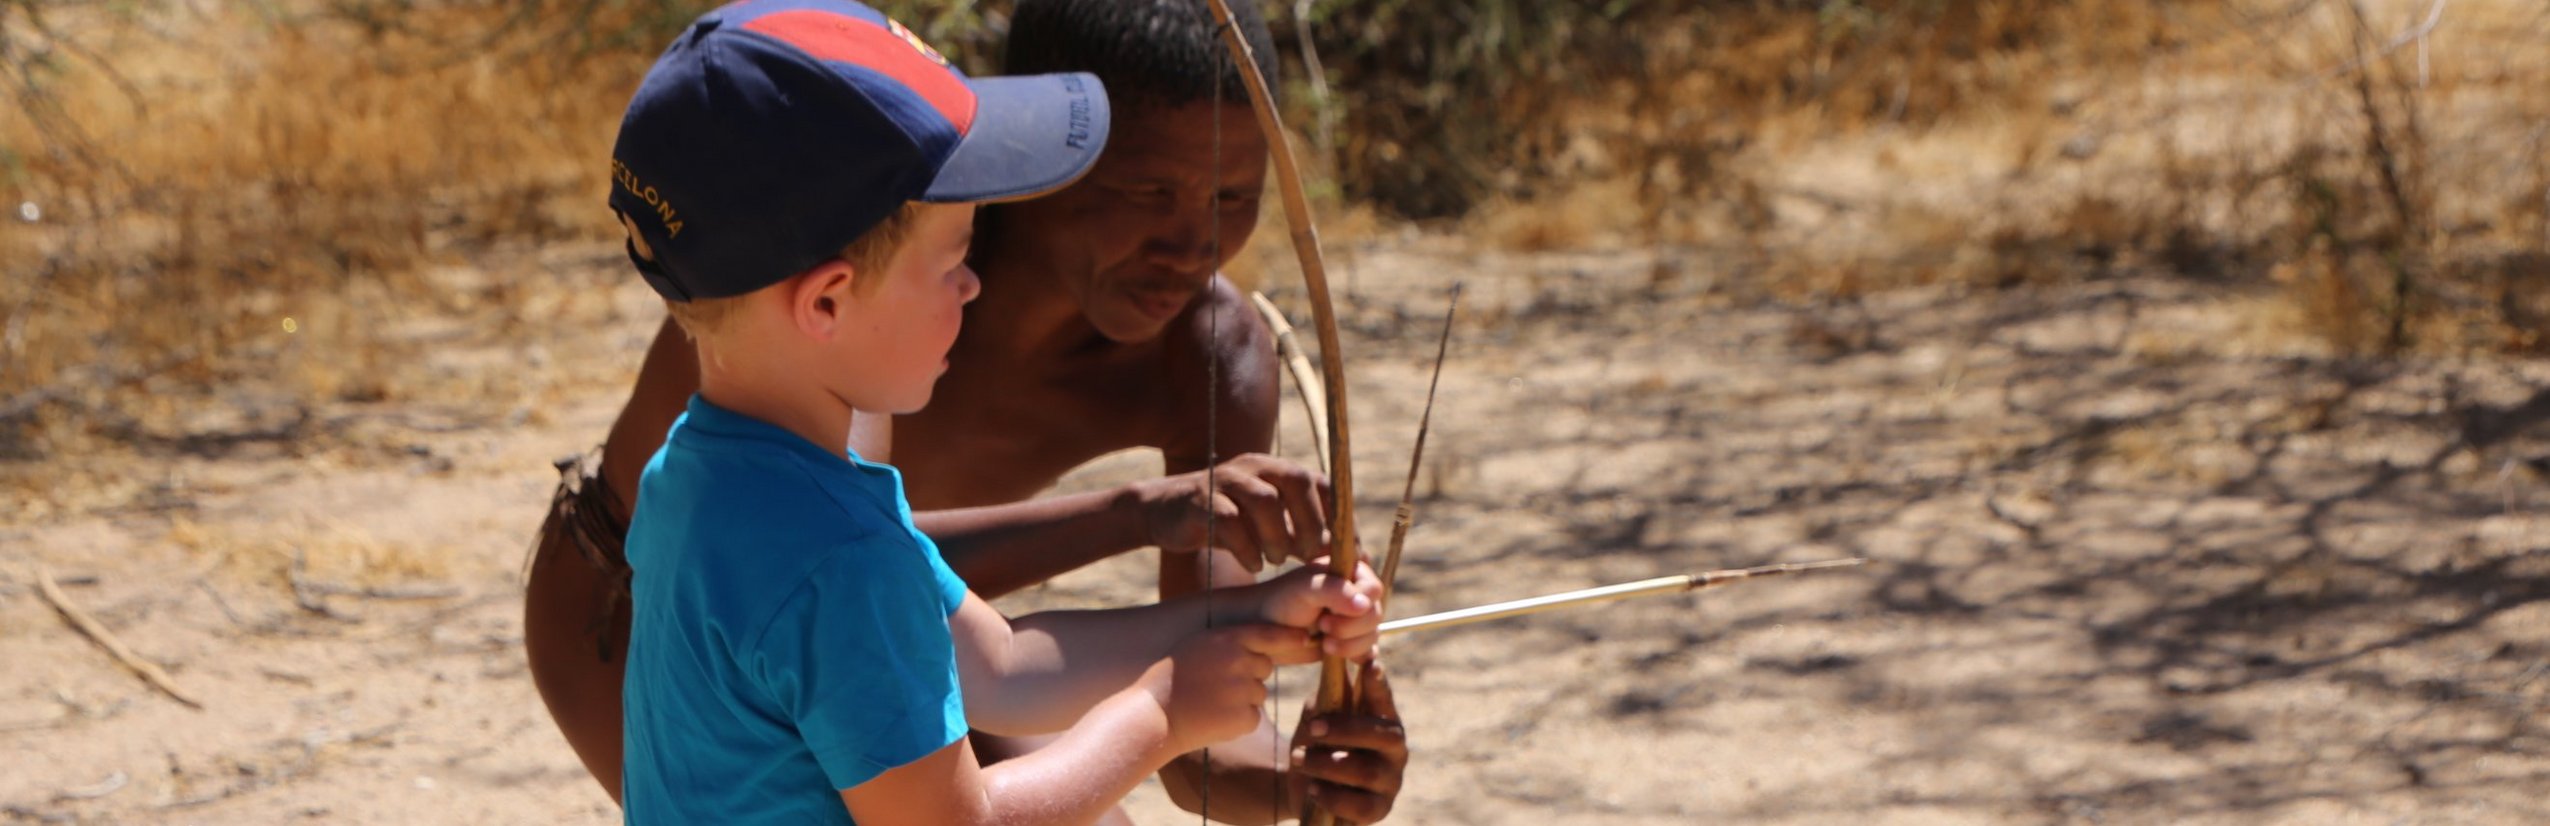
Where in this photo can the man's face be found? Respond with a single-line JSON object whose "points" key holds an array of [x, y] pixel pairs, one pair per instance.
{"points": [[1139, 237]]}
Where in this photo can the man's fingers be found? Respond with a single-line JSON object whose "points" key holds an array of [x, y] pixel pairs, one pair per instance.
{"points": [[1379, 700], [1349, 804], [1335, 732], [1352, 769], [1234, 533], [1305, 501], [1262, 506]]}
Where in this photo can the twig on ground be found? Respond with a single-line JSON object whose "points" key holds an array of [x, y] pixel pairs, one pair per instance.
{"points": [[74, 581], [309, 598], [419, 591], [37, 723], [149, 671], [112, 784]]}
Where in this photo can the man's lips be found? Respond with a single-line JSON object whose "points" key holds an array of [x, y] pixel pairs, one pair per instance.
{"points": [[1161, 302]]}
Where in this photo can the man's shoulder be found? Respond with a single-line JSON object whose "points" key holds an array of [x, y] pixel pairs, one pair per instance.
{"points": [[1223, 330]]}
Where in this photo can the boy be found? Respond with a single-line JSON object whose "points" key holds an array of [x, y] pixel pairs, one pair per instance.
{"points": [[792, 627], [1046, 375]]}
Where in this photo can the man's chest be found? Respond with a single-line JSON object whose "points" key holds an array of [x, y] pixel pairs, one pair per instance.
{"points": [[982, 442]]}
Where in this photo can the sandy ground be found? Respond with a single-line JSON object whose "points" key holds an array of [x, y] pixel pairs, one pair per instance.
{"points": [[2136, 561]]}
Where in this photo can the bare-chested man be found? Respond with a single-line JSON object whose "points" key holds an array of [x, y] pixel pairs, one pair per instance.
{"points": [[1102, 318]]}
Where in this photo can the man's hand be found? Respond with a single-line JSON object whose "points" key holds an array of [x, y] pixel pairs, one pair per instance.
{"points": [[1213, 689], [1352, 764], [1265, 510]]}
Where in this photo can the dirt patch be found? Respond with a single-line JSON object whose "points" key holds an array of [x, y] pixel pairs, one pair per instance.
{"points": [[2134, 563]]}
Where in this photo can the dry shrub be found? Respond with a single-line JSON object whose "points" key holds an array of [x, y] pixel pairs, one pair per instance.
{"points": [[220, 190], [1454, 103], [2392, 178]]}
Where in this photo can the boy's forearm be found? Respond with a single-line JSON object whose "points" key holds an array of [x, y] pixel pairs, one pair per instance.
{"points": [[999, 549], [1038, 673], [1088, 770]]}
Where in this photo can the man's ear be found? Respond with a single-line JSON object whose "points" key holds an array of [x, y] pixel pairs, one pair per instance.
{"points": [[819, 298]]}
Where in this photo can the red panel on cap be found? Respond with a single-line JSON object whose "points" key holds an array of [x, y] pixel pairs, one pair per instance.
{"points": [[833, 37]]}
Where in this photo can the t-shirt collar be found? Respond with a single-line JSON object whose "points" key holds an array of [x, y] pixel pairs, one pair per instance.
{"points": [[708, 417]]}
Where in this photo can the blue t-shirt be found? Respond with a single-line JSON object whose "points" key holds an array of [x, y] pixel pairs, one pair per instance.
{"points": [[790, 635]]}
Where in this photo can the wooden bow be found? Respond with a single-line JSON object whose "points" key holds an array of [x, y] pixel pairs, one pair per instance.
{"points": [[1336, 689]]}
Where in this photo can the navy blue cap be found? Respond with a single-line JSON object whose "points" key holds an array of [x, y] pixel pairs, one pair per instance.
{"points": [[772, 133]]}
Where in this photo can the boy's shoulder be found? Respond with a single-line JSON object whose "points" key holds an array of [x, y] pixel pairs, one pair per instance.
{"points": [[733, 526], [722, 479]]}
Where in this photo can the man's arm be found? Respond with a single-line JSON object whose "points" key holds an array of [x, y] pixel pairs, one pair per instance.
{"points": [[1227, 395], [1000, 549], [665, 383]]}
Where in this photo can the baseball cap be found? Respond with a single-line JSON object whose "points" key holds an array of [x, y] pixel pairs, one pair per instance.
{"points": [[772, 133]]}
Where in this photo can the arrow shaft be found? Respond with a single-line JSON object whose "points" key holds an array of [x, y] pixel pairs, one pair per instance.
{"points": [[1535, 605], [1608, 593]]}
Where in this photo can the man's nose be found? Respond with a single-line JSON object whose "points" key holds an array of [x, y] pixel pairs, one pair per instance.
{"points": [[1188, 247]]}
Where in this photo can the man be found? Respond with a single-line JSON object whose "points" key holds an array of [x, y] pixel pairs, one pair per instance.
{"points": [[1102, 325]]}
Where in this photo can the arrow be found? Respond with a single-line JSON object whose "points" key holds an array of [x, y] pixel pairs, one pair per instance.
{"points": [[1608, 593]]}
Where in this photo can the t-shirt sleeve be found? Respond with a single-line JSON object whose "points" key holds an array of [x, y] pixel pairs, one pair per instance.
{"points": [[859, 657], [952, 588]]}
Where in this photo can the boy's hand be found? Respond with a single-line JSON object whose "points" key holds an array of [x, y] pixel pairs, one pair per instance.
{"points": [[1352, 762], [1338, 609], [1265, 510], [1214, 688]]}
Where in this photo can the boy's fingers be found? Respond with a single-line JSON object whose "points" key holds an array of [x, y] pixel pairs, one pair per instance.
{"points": [[1341, 597], [1350, 626], [1283, 644], [1351, 648]]}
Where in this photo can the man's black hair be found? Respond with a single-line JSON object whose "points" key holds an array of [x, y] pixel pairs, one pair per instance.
{"points": [[1150, 53]]}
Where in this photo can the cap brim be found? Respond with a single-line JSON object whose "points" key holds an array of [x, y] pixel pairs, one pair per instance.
{"points": [[1031, 135]]}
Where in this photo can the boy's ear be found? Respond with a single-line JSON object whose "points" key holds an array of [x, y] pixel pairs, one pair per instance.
{"points": [[819, 298]]}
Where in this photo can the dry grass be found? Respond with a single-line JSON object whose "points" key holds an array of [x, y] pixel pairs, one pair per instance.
{"points": [[258, 197], [2388, 175], [284, 204]]}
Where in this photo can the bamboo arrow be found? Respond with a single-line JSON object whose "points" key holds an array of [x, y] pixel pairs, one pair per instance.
{"points": [[1609, 593]]}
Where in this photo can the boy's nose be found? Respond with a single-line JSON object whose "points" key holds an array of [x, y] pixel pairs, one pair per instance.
{"points": [[969, 285]]}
